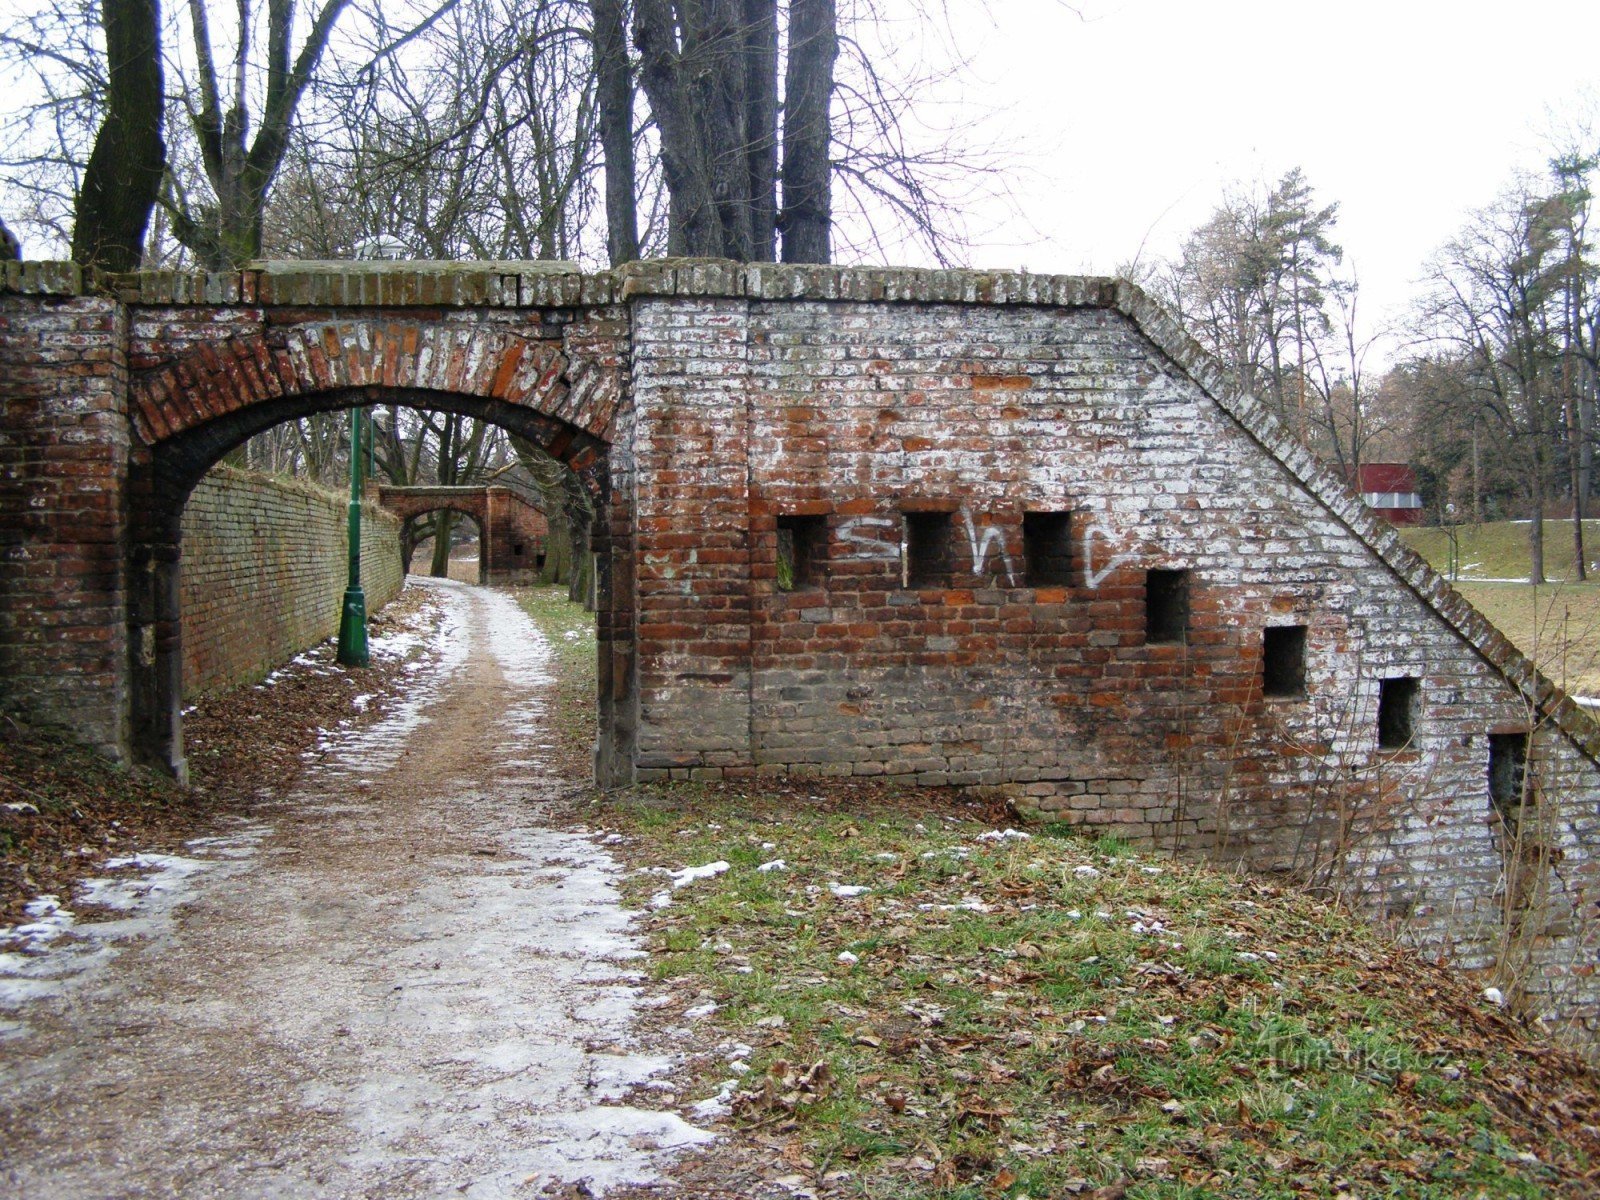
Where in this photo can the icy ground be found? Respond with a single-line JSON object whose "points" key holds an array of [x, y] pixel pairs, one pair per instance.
{"points": [[395, 982]]}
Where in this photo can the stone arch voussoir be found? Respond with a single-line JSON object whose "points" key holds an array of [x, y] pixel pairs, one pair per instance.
{"points": [[216, 381]]}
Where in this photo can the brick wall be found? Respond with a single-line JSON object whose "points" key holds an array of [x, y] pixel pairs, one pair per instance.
{"points": [[884, 428], [515, 535], [263, 573], [64, 441]]}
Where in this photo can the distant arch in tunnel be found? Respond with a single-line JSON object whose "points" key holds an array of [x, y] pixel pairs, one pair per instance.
{"points": [[188, 413], [512, 533], [411, 538]]}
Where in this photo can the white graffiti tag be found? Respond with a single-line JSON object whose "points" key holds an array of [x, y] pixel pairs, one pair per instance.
{"points": [[863, 537], [1094, 578], [982, 544]]}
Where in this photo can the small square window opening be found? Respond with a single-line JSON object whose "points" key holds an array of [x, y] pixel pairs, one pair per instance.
{"points": [[802, 542], [1508, 772], [928, 554], [1283, 660], [1166, 605], [1397, 711], [1047, 549]]}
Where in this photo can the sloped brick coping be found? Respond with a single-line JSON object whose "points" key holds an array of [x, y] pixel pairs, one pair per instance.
{"points": [[547, 284]]}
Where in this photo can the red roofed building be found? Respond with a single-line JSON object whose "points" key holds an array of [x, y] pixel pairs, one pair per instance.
{"points": [[1390, 490]]}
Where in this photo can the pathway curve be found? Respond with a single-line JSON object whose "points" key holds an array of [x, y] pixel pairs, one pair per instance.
{"points": [[396, 984]]}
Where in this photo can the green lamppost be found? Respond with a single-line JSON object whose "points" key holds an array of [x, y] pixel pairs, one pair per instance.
{"points": [[353, 618]]}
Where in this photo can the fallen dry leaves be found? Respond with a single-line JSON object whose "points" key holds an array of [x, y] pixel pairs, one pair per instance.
{"points": [[64, 809]]}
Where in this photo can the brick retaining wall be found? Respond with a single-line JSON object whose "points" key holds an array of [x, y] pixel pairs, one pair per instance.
{"points": [[264, 562]]}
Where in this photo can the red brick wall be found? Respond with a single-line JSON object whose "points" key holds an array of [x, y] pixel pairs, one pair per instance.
{"points": [[515, 533], [263, 573], [64, 441]]}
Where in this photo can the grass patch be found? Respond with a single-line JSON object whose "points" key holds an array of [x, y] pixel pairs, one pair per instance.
{"points": [[570, 631], [1499, 549], [1045, 1016], [1557, 625]]}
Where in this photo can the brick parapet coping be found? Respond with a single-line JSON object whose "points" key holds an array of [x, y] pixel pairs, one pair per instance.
{"points": [[564, 285]]}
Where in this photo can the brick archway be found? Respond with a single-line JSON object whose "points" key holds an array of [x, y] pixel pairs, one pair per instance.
{"points": [[188, 408]]}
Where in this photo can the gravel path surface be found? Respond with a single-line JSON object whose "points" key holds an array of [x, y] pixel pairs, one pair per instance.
{"points": [[394, 981]]}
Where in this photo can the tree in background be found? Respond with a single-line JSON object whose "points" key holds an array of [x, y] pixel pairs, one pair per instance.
{"points": [[1252, 285], [225, 230], [1490, 307], [123, 175], [710, 71]]}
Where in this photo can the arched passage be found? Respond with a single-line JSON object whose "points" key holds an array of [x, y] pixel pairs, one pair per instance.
{"points": [[190, 412], [512, 533], [410, 539]]}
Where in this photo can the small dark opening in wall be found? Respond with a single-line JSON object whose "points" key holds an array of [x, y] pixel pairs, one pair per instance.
{"points": [[1508, 772], [1166, 605], [802, 543], [1397, 710], [1283, 660], [516, 549], [928, 550], [1047, 549]]}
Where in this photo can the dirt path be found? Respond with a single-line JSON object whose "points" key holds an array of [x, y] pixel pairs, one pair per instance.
{"points": [[396, 983]]}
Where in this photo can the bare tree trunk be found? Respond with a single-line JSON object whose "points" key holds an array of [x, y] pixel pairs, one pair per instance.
{"points": [[761, 125], [1536, 525], [241, 175], [665, 68], [614, 94], [807, 219], [443, 523], [1477, 487], [1575, 451], [709, 68], [123, 176]]}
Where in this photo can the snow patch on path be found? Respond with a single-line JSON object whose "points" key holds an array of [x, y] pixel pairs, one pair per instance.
{"points": [[55, 952]]}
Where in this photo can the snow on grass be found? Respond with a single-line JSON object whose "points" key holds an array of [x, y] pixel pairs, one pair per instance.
{"points": [[1003, 835], [690, 874], [1149, 1024]]}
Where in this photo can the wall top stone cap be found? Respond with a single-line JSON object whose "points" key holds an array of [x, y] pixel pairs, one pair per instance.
{"points": [[419, 266], [386, 283]]}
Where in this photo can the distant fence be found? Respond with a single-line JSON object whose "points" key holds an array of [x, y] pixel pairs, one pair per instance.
{"points": [[264, 564]]}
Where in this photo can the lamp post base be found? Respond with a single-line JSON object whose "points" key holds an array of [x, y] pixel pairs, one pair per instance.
{"points": [[353, 629]]}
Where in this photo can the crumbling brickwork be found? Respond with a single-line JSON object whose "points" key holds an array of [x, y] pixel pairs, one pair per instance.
{"points": [[265, 566], [943, 527]]}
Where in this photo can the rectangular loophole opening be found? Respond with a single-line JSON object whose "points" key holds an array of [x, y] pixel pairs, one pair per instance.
{"points": [[1508, 773], [1047, 549], [1283, 660], [1166, 605], [928, 549], [1397, 712], [802, 546]]}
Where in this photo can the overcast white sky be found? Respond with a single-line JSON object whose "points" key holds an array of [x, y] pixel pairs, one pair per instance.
{"points": [[1137, 114]]}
